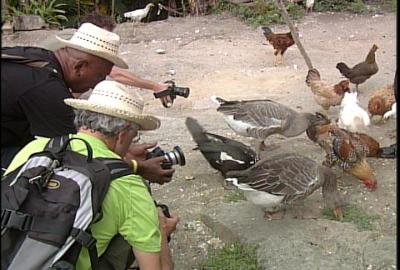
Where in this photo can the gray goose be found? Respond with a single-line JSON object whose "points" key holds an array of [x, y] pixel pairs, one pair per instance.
{"points": [[223, 154], [278, 181], [262, 118]]}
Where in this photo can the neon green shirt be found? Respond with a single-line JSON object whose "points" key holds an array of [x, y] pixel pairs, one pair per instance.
{"points": [[128, 208]]}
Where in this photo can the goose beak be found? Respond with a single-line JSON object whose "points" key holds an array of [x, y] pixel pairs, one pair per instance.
{"points": [[337, 212]]}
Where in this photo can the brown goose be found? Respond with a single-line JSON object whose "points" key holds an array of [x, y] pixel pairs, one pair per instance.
{"points": [[278, 181], [262, 118]]}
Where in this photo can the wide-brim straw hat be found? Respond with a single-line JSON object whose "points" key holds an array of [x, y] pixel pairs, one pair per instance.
{"points": [[94, 40], [112, 98]]}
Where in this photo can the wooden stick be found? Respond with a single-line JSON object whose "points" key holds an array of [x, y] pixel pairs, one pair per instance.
{"points": [[295, 36]]}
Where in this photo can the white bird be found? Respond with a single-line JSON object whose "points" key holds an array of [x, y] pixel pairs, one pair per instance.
{"points": [[351, 116], [138, 14], [309, 5], [391, 113]]}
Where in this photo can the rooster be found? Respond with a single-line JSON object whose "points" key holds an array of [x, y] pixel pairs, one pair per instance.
{"points": [[349, 151], [138, 14], [222, 153], [381, 101], [280, 41], [351, 116], [362, 71], [326, 95]]}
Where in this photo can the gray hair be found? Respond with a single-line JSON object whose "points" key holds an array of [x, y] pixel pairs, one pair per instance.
{"points": [[108, 125]]}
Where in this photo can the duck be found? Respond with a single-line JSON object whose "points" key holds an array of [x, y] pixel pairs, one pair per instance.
{"points": [[223, 154], [262, 118], [276, 182]]}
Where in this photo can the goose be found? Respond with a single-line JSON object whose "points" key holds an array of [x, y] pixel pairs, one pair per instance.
{"points": [[223, 154], [278, 181], [262, 118]]}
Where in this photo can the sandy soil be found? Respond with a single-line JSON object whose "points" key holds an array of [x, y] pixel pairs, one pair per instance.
{"points": [[219, 55]]}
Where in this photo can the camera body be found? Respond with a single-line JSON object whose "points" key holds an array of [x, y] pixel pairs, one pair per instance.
{"points": [[173, 91], [178, 91], [173, 157]]}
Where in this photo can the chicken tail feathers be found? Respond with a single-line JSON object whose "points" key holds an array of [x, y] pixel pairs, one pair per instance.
{"points": [[197, 131], [343, 68], [266, 31], [313, 75], [388, 151]]}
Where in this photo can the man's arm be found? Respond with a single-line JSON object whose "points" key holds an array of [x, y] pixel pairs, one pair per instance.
{"points": [[128, 78], [162, 260]]}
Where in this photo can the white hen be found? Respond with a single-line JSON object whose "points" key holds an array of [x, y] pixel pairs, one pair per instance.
{"points": [[309, 5], [351, 116], [138, 14], [391, 113]]}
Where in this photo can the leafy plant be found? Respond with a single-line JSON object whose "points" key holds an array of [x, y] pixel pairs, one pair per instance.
{"points": [[355, 6], [354, 214], [261, 13], [235, 256], [50, 11]]}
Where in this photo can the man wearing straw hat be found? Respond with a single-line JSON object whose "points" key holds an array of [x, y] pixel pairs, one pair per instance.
{"points": [[118, 74], [35, 82], [108, 120]]}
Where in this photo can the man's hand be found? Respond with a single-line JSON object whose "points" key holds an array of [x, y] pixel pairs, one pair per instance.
{"points": [[139, 151], [167, 225], [151, 170], [167, 100]]}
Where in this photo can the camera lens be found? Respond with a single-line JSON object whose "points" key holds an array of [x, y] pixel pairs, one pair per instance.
{"points": [[176, 156], [182, 91]]}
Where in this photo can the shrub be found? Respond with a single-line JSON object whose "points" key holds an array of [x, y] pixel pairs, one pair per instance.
{"points": [[261, 13]]}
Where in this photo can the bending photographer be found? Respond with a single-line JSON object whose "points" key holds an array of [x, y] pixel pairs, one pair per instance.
{"points": [[118, 74]]}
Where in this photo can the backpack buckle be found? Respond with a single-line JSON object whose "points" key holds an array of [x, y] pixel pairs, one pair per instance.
{"points": [[84, 238], [16, 220]]}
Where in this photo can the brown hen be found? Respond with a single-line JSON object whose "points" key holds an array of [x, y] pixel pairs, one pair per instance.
{"points": [[381, 101], [362, 71], [348, 150], [280, 41], [326, 95]]}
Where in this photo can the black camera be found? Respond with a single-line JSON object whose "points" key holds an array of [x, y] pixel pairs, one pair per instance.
{"points": [[173, 157], [178, 91], [173, 91]]}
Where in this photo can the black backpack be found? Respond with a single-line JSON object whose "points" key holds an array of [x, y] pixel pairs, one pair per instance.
{"points": [[49, 203]]}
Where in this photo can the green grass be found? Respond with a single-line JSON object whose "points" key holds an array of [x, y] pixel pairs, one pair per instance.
{"points": [[234, 196], [356, 215], [232, 257]]}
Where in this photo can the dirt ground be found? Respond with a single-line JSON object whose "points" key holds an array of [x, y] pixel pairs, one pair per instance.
{"points": [[219, 55]]}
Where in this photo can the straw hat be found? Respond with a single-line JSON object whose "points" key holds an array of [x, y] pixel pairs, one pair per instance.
{"points": [[112, 98], [94, 40]]}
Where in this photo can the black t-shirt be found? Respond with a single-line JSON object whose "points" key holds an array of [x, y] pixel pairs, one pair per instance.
{"points": [[32, 99]]}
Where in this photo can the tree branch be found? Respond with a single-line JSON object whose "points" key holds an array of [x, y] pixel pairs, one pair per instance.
{"points": [[295, 36]]}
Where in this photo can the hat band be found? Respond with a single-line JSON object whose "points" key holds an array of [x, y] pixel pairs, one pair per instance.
{"points": [[94, 43]]}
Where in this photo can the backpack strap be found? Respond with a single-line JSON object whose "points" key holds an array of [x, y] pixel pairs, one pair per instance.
{"points": [[35, 63], [117, 168]]}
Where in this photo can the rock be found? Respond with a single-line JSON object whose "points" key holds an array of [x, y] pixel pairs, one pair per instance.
{"points": [[28, 22], [160, 51]]}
